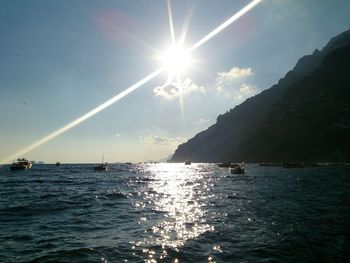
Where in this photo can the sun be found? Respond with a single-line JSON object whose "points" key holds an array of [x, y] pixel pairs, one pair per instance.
{"points": [[176, 60]]}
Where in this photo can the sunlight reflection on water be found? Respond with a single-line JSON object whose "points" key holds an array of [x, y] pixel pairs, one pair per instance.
{"points": [[176, 191]]}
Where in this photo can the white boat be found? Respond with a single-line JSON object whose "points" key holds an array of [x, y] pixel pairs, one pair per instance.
{"points": [[237, 168], [21, 164]]}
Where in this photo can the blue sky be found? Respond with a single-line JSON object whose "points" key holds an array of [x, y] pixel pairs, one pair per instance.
{"points": [[60, 59]]}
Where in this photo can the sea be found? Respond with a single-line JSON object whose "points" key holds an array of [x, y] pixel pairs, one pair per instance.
{"points": [[174, 213]]}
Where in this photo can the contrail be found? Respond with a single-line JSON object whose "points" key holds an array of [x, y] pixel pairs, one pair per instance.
{"points": [[83, 118], [224, 25], [133, 87]]}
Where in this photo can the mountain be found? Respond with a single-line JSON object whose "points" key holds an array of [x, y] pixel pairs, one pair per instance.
{"points": [[166, 159], [304, 117]]}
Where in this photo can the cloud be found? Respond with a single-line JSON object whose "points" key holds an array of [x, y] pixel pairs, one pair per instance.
{"points": [[246, 91], [173, 90], [202, 121], [238, 92], [154, 139], [234, 74], [117, 135], [235, 83]]}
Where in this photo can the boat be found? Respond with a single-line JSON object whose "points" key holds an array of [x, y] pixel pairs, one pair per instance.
{"points": [[21, 164], [58, 163], [188, 162], [227, 164], [101, 167], [237, 168]]}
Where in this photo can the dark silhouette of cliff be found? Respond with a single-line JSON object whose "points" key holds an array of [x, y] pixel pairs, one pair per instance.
{"points": [[304, 117]]}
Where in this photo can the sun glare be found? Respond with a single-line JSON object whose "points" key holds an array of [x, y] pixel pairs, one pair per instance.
{"points": [[176, 60]]}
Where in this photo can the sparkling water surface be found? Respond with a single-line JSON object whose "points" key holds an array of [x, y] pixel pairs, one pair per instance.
{"points": [[174, 213]]}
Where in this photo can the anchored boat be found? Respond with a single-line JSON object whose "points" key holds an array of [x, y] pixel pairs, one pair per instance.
{"points": [[237, 168], [21, 164], [102, 167]]}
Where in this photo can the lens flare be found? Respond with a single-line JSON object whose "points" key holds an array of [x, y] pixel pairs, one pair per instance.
{"points": [[176, 59], [83, 118], [171, 24], [225, 24]]}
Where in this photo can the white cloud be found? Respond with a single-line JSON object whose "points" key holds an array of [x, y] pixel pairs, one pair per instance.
{"points": [[202, 121], [235, 83], [246, 91], [173, 90], [154, 139], [238, 92], [234, 74]]}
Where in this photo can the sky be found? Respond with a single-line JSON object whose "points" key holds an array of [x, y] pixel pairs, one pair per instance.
{"points": [[61, 59]]}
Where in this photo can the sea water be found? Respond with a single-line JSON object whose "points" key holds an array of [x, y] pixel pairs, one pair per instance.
{"points": [[174, 213]]}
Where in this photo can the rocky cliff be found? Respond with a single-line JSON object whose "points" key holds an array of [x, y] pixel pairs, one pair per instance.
{"points": [[304, 117]]}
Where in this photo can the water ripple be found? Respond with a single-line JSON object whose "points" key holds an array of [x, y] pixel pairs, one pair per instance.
{"points": [[174, 213]]}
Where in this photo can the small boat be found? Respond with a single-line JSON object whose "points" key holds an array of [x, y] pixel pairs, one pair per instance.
{"points": [[21, 164], [227, 164], [237, 168], [188, 162], [58, 163], [293, 165], [101, 167]]}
